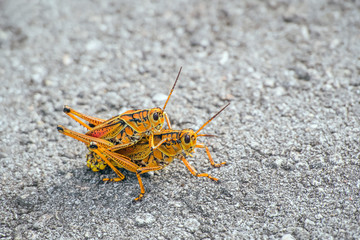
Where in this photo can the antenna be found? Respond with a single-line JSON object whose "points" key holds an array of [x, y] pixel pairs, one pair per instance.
{"points": [[212, 118], [206, 135], [172, 89]]}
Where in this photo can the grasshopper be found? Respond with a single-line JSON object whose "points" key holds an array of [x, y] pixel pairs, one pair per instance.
{"points": [[127, 128], [140, 158]]}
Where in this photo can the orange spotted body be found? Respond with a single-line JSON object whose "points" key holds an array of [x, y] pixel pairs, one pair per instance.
{"points": [[136, 141], [140, 157]]}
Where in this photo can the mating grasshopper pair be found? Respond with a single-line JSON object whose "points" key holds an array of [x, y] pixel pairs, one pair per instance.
{"points": [[136, 141]]}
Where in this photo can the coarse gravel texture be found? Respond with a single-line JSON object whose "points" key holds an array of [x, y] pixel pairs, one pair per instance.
{"points": [[290, 136]]}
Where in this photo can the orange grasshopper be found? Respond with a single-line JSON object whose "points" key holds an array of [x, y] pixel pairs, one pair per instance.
{"points": [[127, 128], [140, 158]]}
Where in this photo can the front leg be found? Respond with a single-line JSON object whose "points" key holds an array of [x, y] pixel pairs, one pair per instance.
{"points": [[167, 120], [194, 172], [201, 145], [152, 147]]}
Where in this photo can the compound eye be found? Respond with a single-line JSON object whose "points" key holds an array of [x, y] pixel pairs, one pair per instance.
{"points": [[187, 138], [156, 116]]}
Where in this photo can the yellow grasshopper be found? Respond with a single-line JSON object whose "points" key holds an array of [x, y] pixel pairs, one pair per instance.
{"points": [[140, 158], [127, 128]]}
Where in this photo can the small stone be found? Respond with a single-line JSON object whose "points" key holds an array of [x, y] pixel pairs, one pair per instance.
{"points": [[315, 183], [299, 233], [279, 91], [93, 45], [2, 155], [3, 35], [309, 224], [302, 165], [224, 58], [292, 18], [192, 224], [301, 74], [269, 82], [41, 222], [159, 97], [305, 32], [49, 83], [67, 60], [287, 237], [144, 219], [277, 163], [39, 73], [68, 175], [336, 159], [334, 43], [272, 212]]}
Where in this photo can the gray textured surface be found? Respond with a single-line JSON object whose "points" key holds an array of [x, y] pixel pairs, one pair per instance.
{"points": [[290, 136]]}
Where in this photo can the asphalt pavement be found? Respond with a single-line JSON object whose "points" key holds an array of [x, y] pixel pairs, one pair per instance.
{"points": [[290, 137]]}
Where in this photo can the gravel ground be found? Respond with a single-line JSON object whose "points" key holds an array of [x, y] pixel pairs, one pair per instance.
{"points": [[290, 136]]}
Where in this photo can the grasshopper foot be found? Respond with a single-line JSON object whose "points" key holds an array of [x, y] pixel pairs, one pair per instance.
{"points": [[214, 179], [219, 164], [60, 128], [139, 197], [112, 179]]}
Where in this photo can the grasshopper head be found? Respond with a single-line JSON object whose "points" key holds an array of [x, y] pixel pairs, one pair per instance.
{"points": [[188, 140], [156, 118]]}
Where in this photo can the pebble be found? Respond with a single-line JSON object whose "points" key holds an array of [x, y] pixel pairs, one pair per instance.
{"points": [[192, 224], [309, 224], [93, 45], [66, 59], [2, 155], [277, 163], [287, 237], [159, 97], [224, 58], [41, 222], [336, 159], [301, 74], [144, 219]]}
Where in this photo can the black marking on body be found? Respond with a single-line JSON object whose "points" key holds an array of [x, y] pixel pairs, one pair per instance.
{"points": [[173, 135], [115, 123], [135, 120], [143, 116]]}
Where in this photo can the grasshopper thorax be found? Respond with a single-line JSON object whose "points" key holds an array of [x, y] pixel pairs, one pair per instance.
{"points": [[156, 118], [188, 140]]}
